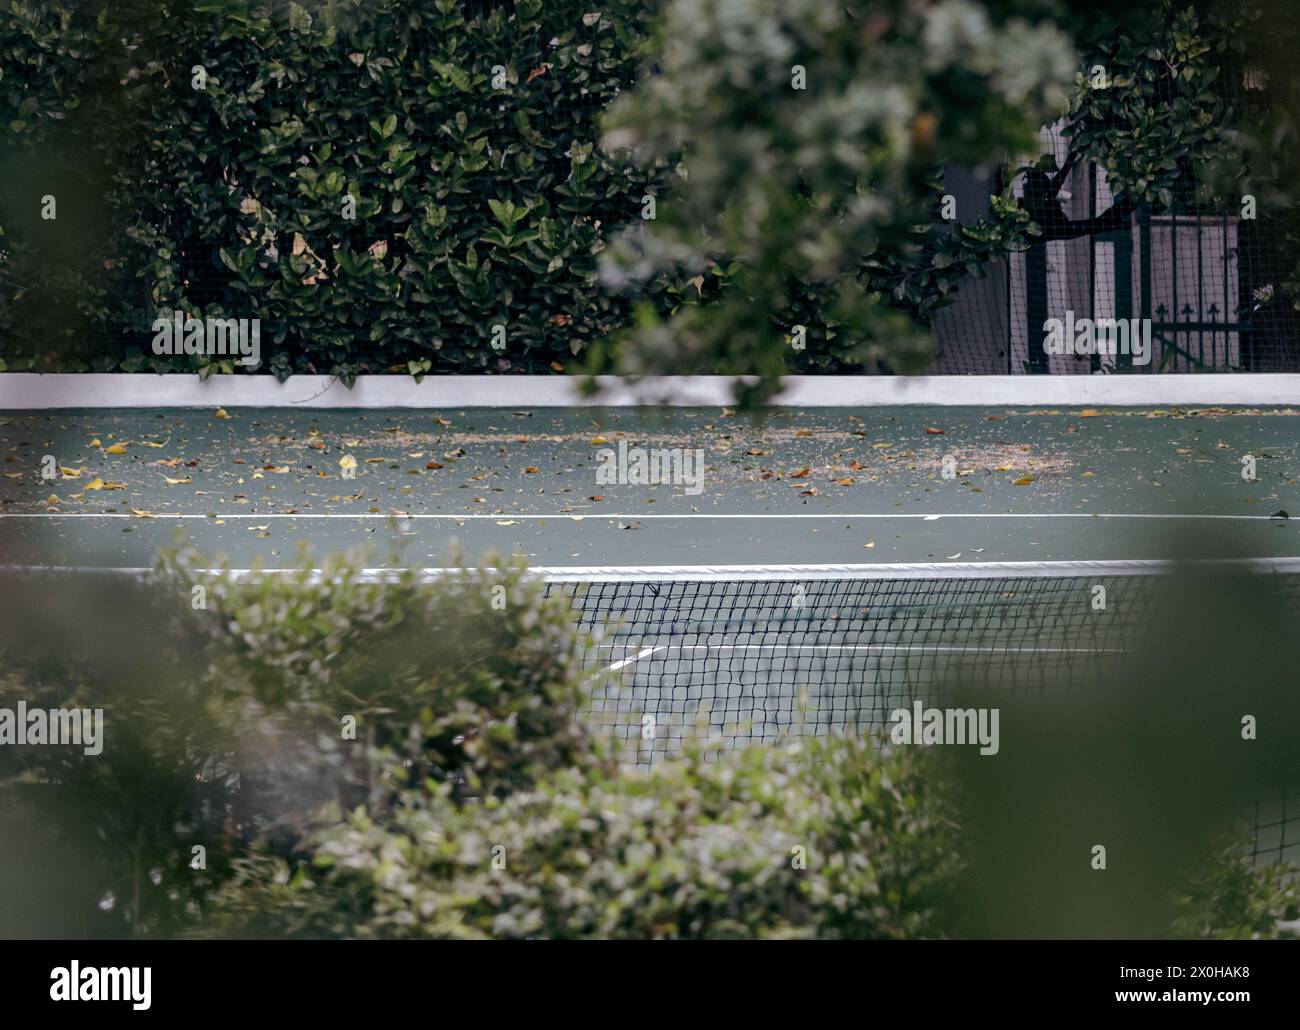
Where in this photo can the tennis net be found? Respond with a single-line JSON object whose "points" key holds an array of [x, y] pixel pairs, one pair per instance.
{"points": [[753, 654]]}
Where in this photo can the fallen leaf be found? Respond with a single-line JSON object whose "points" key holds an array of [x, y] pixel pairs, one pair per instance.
{"points": [[855, 465], [442, 421], [116, 448], [800, 474], [433, 465], [222, 413], [596, 441], [52, 500], [151, 443], [870, 544], [95, 443], [1089, 413], [1023, 481], [178, 482], [847, 481], [347, 462], [531, 470], [70, 473], [754, 452], [507, 522], [933, 431], [597, 497]]}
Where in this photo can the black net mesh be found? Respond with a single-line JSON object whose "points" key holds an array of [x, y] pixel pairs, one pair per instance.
{"points": [[753, 659]]}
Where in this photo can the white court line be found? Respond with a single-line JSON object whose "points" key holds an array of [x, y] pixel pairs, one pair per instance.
{"points": [[645, 653], [626, 574], [504, 516]]}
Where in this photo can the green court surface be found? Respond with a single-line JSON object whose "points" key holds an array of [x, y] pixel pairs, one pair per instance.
{"points": [[830, 565], [823, 486]]}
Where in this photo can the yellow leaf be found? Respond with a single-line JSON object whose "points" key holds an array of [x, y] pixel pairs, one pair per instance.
{"points": [[847, 481], [222, 413], [597, 441], [1022, 481], [70, 473], [177, 482], [140, 513], [117, 448], [95, 443], [1089, 413], [347, 462], [95, 484], [52, 500], [151, 443]]}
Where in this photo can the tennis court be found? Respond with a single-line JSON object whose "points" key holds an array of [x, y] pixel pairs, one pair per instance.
{"points": [[833, 565]]}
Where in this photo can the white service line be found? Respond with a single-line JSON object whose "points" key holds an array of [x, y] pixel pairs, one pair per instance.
{"points": [[645, 653], [504, 516]]}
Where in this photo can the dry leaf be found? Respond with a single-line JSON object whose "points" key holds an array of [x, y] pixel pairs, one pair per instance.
{"points": [[347, 462], [933, 431], [117, 448], [531, 469], [222, 413], [1023, 481], [178, 482]]}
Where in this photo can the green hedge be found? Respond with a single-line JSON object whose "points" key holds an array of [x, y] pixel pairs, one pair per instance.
{"points": [[476, 206], [471, 800]]}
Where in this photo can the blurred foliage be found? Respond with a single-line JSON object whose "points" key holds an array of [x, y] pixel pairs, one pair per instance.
{"points": [[473, 802], [819, 206], [704, 846], [776, 207], [224, 725]]}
